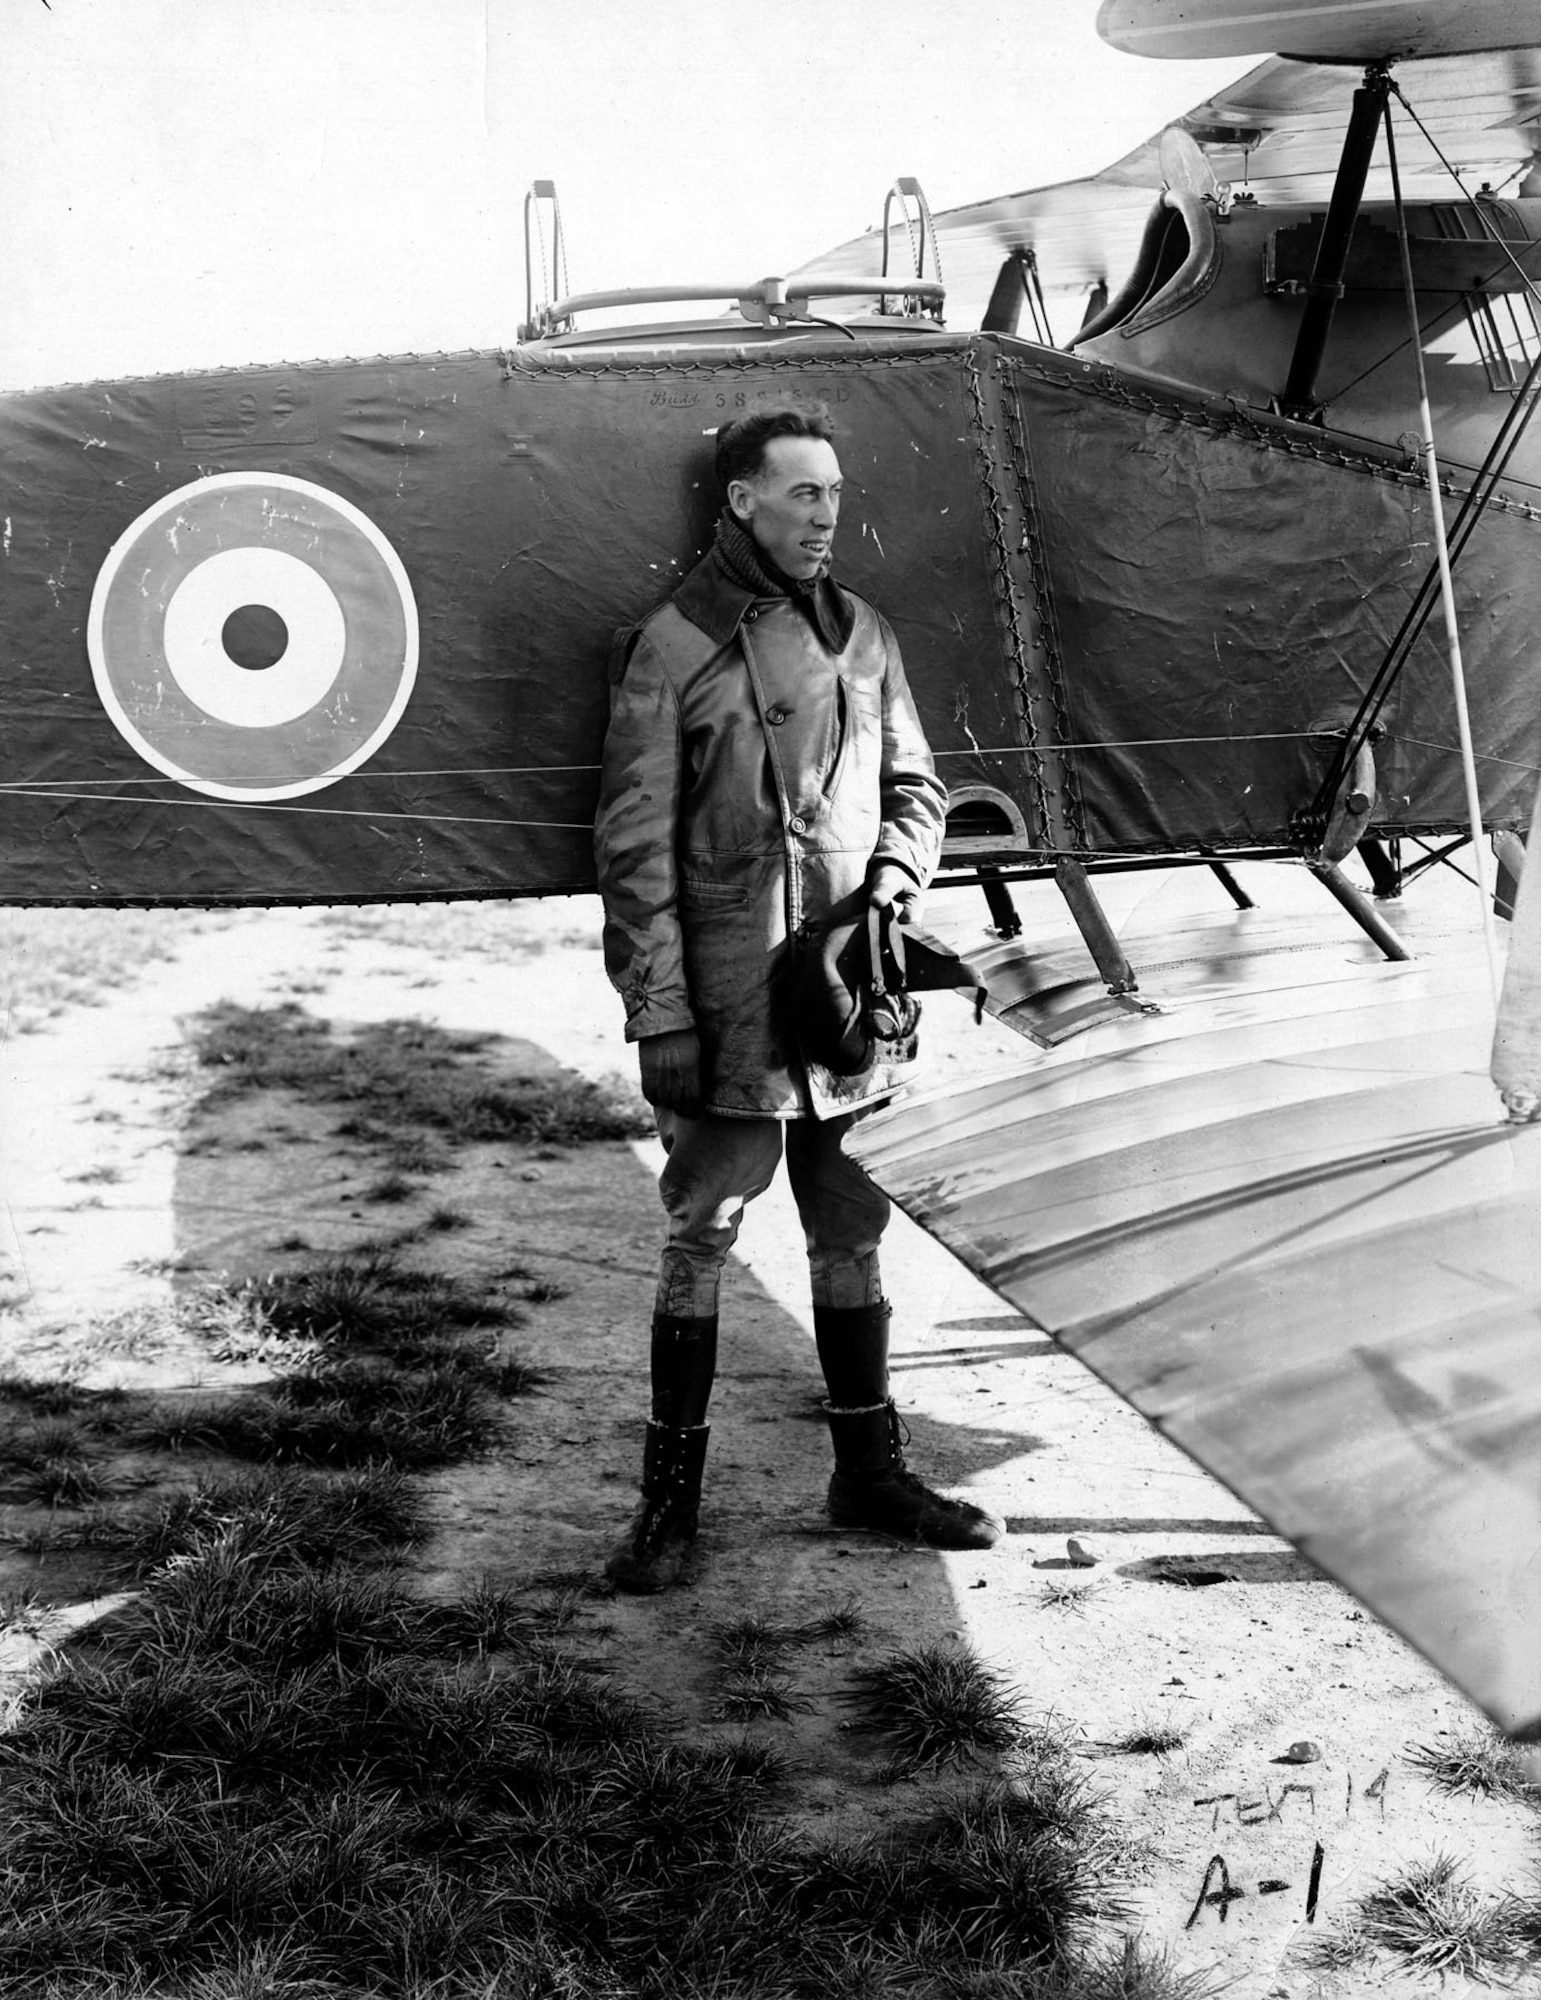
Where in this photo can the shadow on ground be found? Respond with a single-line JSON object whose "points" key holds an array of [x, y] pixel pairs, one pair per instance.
{"points": [[268, 1183]]}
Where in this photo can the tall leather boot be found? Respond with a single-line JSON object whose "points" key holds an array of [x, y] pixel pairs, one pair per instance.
{"points": [[852, 1343], [651, 1555], [872, 1487]]}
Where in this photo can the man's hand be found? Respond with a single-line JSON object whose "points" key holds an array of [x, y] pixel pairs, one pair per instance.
{"points": [[671, 1071], [892, 884]]}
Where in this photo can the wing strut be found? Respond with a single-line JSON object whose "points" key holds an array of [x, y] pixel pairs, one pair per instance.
{"points": [[1442, 556], [1325, 286]]}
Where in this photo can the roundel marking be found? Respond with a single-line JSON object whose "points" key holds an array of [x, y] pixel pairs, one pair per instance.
{"points": [[198, 652], [253, 636]]}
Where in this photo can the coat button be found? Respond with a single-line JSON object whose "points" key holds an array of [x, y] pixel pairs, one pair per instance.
{"points": [[797, 825], [750, 615], [776, 715]]}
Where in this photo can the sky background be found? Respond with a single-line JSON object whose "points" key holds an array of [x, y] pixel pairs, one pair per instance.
{"points": [[192, 183]]}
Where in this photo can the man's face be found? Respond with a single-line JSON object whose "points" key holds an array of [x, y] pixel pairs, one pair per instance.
{"points": [[792, 506]]}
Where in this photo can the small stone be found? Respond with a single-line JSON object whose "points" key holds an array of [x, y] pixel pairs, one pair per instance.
{"points": [[1084, 1555], [1303, 1752]]}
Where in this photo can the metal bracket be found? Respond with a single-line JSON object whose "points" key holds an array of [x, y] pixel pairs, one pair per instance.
{"points": [[922, 233], [545, 230], [1353, 804]]}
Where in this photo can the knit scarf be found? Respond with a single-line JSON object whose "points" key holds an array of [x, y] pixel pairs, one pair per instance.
{"points": [[739, 557]]}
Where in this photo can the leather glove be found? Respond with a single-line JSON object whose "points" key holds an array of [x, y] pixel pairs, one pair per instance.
{"points": [[893, 884], [671, 1071]]}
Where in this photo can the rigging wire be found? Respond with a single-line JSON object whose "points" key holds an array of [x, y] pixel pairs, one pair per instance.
{"points": [[1429, 326], [1442, 557], [356, 777], [1473, 506], [116, 790], [191, 805]]}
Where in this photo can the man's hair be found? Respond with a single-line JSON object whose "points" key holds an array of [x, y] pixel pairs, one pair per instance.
{"points": [[741, 443]]}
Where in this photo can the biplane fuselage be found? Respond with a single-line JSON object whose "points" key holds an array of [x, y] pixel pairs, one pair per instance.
{"points": [[1138, 608]]}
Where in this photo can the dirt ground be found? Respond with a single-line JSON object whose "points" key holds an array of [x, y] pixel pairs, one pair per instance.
{"points": [[1194, 1616]]}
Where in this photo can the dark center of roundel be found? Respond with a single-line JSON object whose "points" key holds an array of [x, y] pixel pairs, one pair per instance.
{"points": [[255, 637]]}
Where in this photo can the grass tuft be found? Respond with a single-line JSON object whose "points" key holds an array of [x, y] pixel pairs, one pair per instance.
{"points": [[757, 1694], [757, 1762], [23, 1612], [1150, 1736], [63, 1436], [1129, 1970], [391, 1188], [841, 1625], [48, 1460], [936, 1705], [752, 1643], [510, 1377], [62, 1482], [413, 1154], [1016, 1868], [1474, 1759], [1434, 1920]]}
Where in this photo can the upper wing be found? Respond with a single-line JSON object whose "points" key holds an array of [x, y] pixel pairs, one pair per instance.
{"points": [[1276, 133], [1323, 30]]}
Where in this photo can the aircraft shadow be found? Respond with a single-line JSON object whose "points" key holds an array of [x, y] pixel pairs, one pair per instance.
{"points": [[585, 1220]]}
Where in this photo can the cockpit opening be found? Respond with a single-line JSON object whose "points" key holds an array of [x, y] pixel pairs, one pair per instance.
{"points": [[1178, 261]]}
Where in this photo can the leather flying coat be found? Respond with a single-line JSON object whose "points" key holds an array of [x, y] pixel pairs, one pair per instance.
{"points": [[751, 778]]}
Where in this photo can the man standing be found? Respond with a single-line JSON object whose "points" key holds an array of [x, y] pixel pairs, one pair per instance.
{"points": [[764, 768]]}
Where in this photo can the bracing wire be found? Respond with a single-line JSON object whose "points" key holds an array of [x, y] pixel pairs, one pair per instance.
{"points": [[184, 805], [1510, 432], [1442, 557]]}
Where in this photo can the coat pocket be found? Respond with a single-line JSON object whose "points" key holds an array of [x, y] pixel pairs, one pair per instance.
{"points": [[696, 894], [858, 720]]}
